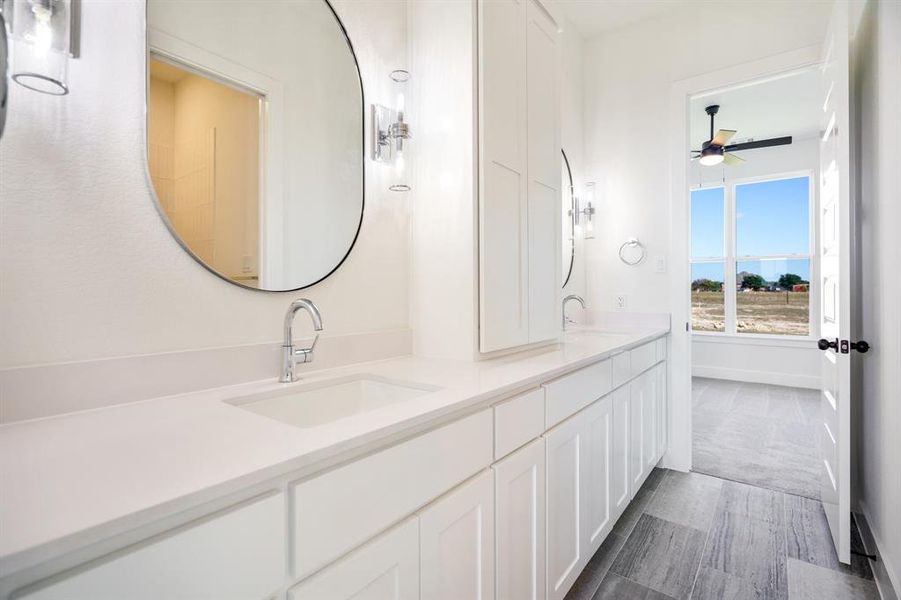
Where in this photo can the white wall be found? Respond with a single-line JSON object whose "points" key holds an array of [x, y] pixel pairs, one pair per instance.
{"points": [[877, 51], [776, 361], [627, 130], [87, 268]]}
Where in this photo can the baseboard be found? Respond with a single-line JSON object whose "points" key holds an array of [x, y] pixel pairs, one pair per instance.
{"points": [[769, 377], [883, 571]]}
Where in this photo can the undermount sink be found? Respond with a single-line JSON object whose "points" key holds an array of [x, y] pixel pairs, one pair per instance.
{"points": [[318, 403]]}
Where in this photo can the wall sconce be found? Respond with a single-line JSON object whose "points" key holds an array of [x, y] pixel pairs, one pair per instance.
{"points": [[390, 132], [44, 34], [586, 213]]}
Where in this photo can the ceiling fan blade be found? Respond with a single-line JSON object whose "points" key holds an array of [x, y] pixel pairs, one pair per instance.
{"points": [[732, 160], [779, 141], [723, 136]]}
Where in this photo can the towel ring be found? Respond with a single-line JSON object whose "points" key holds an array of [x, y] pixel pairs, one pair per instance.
{"points": [[632, 252]]}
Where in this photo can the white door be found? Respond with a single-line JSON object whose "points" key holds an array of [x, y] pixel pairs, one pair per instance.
{"points": [[835, 262], [598, 477], [519, 524], [385, 568], [564, 504], [621, 435], [456, 553]]}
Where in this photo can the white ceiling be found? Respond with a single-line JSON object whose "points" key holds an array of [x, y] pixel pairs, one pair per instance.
{"points": [[592, 17], [790, 105]]}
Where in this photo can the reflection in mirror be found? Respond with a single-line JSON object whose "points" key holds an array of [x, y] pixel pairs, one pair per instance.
{"points": [[255, 137], [568, 205]]}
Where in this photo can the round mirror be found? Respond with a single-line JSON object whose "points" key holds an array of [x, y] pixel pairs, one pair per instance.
{"points": [[255, 137], [568, 206]]}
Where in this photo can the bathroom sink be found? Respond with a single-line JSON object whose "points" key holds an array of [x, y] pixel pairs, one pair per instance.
{"points": [[318, 403]]}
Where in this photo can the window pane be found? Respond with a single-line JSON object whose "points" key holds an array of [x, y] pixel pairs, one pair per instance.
{"points": [[708, 310], [772, 217], [773, 297], [707, 218]]}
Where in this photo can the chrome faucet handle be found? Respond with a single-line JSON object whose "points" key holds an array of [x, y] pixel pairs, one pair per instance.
{"points": [[305, 355]]}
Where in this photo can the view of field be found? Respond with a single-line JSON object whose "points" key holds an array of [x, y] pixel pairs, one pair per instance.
{"points": [[784, 313]]}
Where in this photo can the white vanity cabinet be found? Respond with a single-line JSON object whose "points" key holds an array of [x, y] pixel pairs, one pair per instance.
{"points": [[519, 174], [622, 435], [580, 492], [565, 447], [456, 543], [519, 496], [508, 503]]}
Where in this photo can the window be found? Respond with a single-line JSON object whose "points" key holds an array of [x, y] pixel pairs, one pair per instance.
{"points": [[751, 257]]}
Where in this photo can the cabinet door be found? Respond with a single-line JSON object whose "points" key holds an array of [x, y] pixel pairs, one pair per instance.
{"points": [[544, 244], [503, 184], [457, 543], [621, 442], [519, 524], [565, 557], [637, 462], [649, 408], [662, 418], [385, 568], [597, 463]]}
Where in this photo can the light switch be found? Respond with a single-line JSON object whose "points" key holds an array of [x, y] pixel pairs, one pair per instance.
{"points": [[620, 301]]}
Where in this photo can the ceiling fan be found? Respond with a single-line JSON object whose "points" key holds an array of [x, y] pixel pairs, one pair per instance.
{"points": [[715, 150]]}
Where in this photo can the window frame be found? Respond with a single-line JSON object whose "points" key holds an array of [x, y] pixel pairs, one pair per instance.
{"points": [[730, 259]]}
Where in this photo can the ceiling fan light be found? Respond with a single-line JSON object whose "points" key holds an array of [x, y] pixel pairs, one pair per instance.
{"points": [[710, 160], [711, 155]]}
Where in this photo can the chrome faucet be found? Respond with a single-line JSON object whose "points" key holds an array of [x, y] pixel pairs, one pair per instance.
{"points": [[567, 299], [290, 355]]}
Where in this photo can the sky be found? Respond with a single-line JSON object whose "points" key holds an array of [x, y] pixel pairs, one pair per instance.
{"points": [[772, 217]]}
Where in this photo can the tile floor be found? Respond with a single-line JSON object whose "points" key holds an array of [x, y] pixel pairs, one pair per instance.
{"points": [[764, 435], [689, 535]]}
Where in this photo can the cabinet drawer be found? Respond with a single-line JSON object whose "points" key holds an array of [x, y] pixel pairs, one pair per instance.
{"points": [[518, 421], [571, 393], [661, 349], [238, 554], [643, 358], [339, 510], [622, 368]]}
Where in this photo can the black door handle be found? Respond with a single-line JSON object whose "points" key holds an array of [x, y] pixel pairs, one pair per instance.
{"points": [[860, 346], [824, 344]]}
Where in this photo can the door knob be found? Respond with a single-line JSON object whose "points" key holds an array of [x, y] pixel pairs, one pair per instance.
{"points": [[860, 346], [824, 344]]}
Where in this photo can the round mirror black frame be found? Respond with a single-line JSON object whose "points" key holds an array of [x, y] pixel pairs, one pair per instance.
{"points": [[162, 212], [572, 221]]}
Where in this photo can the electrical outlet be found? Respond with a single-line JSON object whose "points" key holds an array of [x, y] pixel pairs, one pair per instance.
{"points": [[620, 301], [660, 264]]}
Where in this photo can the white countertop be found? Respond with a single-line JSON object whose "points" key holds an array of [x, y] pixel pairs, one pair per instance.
{"points": [[90, 475]]}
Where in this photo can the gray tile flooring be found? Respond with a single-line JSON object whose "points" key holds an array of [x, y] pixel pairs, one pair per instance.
{"points": [[690, 535], [764, 435]]}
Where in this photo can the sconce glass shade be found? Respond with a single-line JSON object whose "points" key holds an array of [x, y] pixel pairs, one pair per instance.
{"points": [[43, 41], [390, 132]]}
